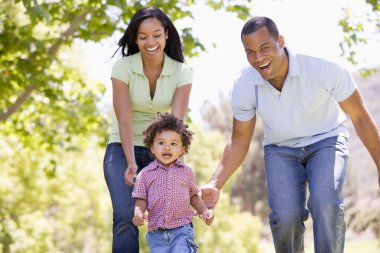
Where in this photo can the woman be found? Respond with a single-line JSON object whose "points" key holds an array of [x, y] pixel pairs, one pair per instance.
{"points": [[151, 77]]}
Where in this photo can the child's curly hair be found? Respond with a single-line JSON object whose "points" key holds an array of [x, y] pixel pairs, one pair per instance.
{"points": [[164, 122]]}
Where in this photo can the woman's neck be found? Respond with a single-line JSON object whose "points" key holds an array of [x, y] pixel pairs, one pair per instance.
{"points": [[153, 65]]}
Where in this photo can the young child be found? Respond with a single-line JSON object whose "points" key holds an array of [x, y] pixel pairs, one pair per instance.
{"points": [[167, 187]]}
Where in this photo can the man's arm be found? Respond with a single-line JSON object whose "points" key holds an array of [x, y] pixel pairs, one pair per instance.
{"points": [[233, 156], [364, 124]]}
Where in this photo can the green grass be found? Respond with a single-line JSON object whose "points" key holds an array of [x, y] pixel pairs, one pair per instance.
{"points": [[362, 246], [372, 246]]}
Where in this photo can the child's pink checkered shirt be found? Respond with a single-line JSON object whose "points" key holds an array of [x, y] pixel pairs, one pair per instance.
{"points": [[167, 192]]}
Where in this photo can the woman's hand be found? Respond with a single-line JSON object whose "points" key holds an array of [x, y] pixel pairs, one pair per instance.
{"points": [[130, 174]]}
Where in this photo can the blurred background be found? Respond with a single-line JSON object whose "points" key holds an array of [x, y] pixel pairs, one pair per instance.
{"points": [[56, 105]]}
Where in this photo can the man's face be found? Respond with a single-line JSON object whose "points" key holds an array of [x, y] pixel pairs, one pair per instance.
{"points": [[265, 53]]}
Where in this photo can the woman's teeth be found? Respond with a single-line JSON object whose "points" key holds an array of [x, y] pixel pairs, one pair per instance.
{"points": [[152, 50]]}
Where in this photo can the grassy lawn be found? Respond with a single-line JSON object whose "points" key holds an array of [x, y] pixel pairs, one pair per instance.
{"points": [[372, 246], [367, 246]]}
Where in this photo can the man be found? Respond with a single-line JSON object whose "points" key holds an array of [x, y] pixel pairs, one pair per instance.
{"points": [[303, 102]]}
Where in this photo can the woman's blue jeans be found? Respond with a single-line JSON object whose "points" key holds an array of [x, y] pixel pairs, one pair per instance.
{"points": [[321, 166], [125, 234]]}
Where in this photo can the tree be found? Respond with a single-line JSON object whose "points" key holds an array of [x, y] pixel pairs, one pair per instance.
{"points": [[58, 207], [356, 32], [44, 99], [47, 109]]}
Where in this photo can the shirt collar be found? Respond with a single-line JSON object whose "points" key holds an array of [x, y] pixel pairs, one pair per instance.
{"points": [[294, 66], [294, 69], [156, 164], [137, 64]]}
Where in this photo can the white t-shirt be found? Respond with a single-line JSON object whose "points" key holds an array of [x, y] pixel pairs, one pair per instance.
{"points": [[305, 111]]}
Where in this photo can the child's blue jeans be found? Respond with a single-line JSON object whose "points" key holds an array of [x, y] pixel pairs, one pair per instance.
{"points": [[176, 240]]}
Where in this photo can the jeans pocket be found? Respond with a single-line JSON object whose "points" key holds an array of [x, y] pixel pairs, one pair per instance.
{"points": [[192, 245]]}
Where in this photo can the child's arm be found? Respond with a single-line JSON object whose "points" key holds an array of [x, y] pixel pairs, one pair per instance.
{"points": [[140, 216], [206, 214]]}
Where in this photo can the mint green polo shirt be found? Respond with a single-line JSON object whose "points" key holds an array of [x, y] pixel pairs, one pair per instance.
{"points": [[129, 69]]}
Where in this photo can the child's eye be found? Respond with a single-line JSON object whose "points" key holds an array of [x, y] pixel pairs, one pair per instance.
{"points": [[174, 144]]}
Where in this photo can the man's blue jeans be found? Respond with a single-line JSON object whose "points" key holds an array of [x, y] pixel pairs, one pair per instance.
{"points": [[125, 234], [321, 166]]}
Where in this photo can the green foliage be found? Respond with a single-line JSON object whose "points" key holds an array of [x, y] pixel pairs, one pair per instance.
{"points": [[51, 200], [44, 98], [356, 30], [52, 194], [232, 230], [64, 213], [71, 210], [375, 4]]}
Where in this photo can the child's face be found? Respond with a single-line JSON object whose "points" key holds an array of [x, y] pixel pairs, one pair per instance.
{"points": [[167, 147]]}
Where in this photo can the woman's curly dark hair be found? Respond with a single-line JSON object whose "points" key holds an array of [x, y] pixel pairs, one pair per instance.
{"points": [[164, 122]]}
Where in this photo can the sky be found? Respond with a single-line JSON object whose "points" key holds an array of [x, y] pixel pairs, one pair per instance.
{"points": [[309, 27]]}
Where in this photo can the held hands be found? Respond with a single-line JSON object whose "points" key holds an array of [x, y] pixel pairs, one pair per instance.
{"points": [[210, 195], [130, 174], [139, 219], [207, 216]]}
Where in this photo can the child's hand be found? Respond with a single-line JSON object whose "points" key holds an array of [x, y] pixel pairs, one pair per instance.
{"points": [[208, 216], [139, 219]]}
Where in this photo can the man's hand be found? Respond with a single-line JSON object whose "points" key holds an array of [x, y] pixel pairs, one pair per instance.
{"points": [[130, 174], [210, 195]]}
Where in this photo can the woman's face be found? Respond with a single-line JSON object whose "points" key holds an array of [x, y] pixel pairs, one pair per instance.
{"points": [[151, 39]]}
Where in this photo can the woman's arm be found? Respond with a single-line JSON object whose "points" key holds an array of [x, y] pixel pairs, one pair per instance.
{"points": [[181, 99], [122, 107]]}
